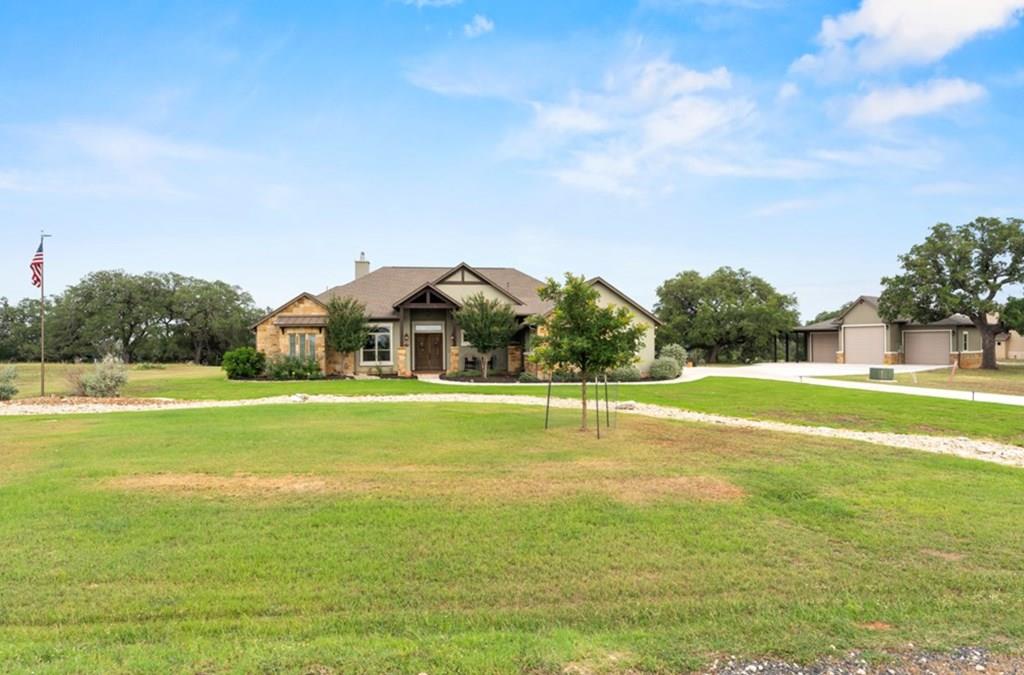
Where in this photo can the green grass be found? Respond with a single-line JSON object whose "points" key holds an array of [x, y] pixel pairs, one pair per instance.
{"points": [[755, 399], [1009, 379], [455, 539], [56, 383]]}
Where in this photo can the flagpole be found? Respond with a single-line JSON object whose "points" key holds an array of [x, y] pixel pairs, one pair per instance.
{"points": [[42, 319]]}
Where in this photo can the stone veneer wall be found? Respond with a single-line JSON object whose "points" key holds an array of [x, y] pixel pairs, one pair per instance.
{"points": [[515, 359], [453, 359], [892, 358], [273, 340], [840, 357], [966, 359]]}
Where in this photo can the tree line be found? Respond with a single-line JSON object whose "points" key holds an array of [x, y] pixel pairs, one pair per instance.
{"points": [[160, 317]]}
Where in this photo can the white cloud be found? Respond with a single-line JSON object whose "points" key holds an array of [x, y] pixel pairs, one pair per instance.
{"points": [[742, 4], [641, 123], [891, 103], [787, 91], [432, 3], [127, 146], [785, 206], [887, 33], [478, 26]]}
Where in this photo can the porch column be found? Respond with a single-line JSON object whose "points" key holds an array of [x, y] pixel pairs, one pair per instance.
{"points": [[515, 359]]}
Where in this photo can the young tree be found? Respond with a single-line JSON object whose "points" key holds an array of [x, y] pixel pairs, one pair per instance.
{"points": [[959, 270], [487, 324], [347, 328], [580, 334], [729, 312]]}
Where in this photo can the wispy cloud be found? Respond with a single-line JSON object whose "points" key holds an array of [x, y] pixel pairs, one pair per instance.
{"points": [[742, 4], [888, 33], [642, 119], [432, 3], [479, 25], [785, 206], [882, 106]]}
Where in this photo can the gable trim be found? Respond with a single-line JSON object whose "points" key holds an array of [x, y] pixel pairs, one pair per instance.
{"points": [[433, 289], [636, 305], [300, 296], [479, 275]]}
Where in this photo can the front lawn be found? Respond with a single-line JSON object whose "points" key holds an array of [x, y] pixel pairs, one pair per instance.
{"points": [[444, 538], [1009, 379], [755, 399]]}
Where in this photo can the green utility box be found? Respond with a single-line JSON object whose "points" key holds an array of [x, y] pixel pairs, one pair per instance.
{"points": [[882, 374]]}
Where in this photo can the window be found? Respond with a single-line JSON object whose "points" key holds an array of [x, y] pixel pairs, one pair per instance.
{"points": [[377, 350], [965, 341], [302, 345]]}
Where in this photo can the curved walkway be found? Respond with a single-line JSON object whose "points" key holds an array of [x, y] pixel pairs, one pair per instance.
{"points": [[989, 451]]}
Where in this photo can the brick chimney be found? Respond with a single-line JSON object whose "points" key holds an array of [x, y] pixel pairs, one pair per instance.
{"points": [[362, 265]]}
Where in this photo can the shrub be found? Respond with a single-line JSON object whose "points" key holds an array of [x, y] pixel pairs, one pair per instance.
{"points": [[8, 389], [243, 363], [469, 372], [528, 378], [675, 351], [73, 376], [565, 376], [664, 368], [624, 374], [107, 378], [293, 368]]}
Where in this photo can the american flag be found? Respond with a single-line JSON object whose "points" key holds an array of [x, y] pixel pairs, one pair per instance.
{"points": [[37, 267]]}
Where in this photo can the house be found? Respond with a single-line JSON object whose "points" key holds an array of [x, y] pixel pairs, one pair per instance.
{"points": [[1009, 346], [411, 311], [859, 335]]}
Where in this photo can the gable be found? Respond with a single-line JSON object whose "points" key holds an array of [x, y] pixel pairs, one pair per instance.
{"points": [[303, 304], [463, 281], [861, 313], [613, 296]]}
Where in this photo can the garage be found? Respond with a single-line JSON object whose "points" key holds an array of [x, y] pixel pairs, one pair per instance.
{"points": [[864, 344], [823, 347], [926, 347]]}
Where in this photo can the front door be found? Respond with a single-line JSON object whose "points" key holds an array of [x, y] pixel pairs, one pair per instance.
{"points": [[429, 351]]}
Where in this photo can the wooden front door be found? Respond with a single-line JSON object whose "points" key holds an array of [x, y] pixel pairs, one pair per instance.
{"points": [[429, 351]]}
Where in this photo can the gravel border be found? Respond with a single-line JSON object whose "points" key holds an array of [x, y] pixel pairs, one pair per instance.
{"points": [[989, 451]]}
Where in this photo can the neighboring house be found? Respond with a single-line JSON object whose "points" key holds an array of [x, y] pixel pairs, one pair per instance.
{"points": [[1009, 346], [859, 335], [412, 314]]}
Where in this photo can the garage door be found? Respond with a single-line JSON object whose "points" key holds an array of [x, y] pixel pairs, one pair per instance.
{"points": [[864, 344], [824, 347], [926, 347]]}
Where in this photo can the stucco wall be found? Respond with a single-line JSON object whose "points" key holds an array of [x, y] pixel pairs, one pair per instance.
{"points": [[862, 313], [645, 356]]}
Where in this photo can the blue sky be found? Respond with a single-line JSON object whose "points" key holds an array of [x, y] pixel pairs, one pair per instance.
{"points": [[266, 144]]}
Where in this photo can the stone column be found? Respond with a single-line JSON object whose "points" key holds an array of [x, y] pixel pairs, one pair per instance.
{"points": [[403, 361], [515, 359], [453, 359]]}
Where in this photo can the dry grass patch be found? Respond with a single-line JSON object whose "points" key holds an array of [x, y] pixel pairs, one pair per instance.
{"points": [[540, 482], [949, 556]]}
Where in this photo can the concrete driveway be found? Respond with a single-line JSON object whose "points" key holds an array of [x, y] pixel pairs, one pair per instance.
{"points": [[793, 371]]}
